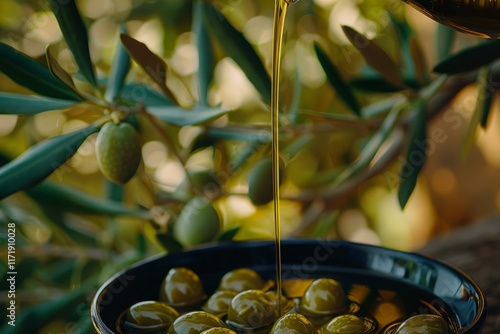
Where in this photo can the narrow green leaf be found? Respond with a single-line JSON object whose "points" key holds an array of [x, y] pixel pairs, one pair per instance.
{"points": [[151, 63], [182, 117], [56, 69], [32, 75], [470, 59], [205, 52], [374, 84], [419, 63], [381, 106], [119, 70], [75, 34], [483, 103], [250, 135], [168, 242], [297, 145], [336, 80], [228, 234], [377, 58], [445, 37], [41, 160], [141, 93], [487, 106], [415, 156], [371, 148], [234, 44], [72, 199], [18, 104]]}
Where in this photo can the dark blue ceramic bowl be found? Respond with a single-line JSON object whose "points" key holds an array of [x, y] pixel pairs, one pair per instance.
{"points": [[438, 285]]}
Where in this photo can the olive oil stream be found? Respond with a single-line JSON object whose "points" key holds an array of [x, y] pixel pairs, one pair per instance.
{"points": [[280, 11]]}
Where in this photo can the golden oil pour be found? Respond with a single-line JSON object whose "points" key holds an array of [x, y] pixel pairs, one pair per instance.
{"points": [[280, 11]]}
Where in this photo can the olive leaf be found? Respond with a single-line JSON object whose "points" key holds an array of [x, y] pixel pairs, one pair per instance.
{"points": [[56, 69], [205, 52], [119, 70], [336, 80], [71, 199], [470, 58], [182, 117], [415, 155], [32, 75], [19, 104], [151, 63], [41, 160], [377, 58], [234, 44], [75, 34], [445, 37], [371, 148], [141, 93], [228, 234], [481, 109]]}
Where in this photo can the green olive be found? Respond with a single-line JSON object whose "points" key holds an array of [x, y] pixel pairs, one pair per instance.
{"points": [[325, 296], [345, 324], [251, 309], [118, 151], [293, 323], [240, 280], [423, 324], [218, 303], [260, 181], [197, 223], [148, 316], [182, 288], [218, 330], [194, 323]]}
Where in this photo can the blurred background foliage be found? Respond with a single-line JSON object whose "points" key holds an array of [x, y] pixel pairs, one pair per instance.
{"points": [[62, 254]]}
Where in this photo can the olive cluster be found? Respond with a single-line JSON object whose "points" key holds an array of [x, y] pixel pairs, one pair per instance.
{"points": [[244, 303]]}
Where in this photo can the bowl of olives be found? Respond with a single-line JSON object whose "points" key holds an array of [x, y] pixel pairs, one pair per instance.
{"points": [[327, 287]]}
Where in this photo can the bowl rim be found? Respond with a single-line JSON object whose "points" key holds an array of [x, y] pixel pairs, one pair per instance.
{"points": [[476, 324]]}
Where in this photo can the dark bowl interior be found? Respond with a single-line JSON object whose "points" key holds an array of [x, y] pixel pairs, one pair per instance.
{"points": [[438, 285]]}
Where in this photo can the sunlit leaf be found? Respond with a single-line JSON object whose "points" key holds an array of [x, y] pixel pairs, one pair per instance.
{"points": [[470, 59], [18, 104], [205, 52], [415, 155], [234, 45], [72, 199], [75, 34], [182, 117], [445, 37], [41, 160], [377, 58], [32, 75], [151, 63], [119, 69], [59, 72], [341, 88]]}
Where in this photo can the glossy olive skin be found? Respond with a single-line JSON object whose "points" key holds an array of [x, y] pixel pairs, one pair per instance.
{"points": [[182, 288], [423, 324], [218, 330], [251, 309], [195, 322], [293, 323], [345, 324], [151, 313], [240, 280], [218, 303], [324, 296]]}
